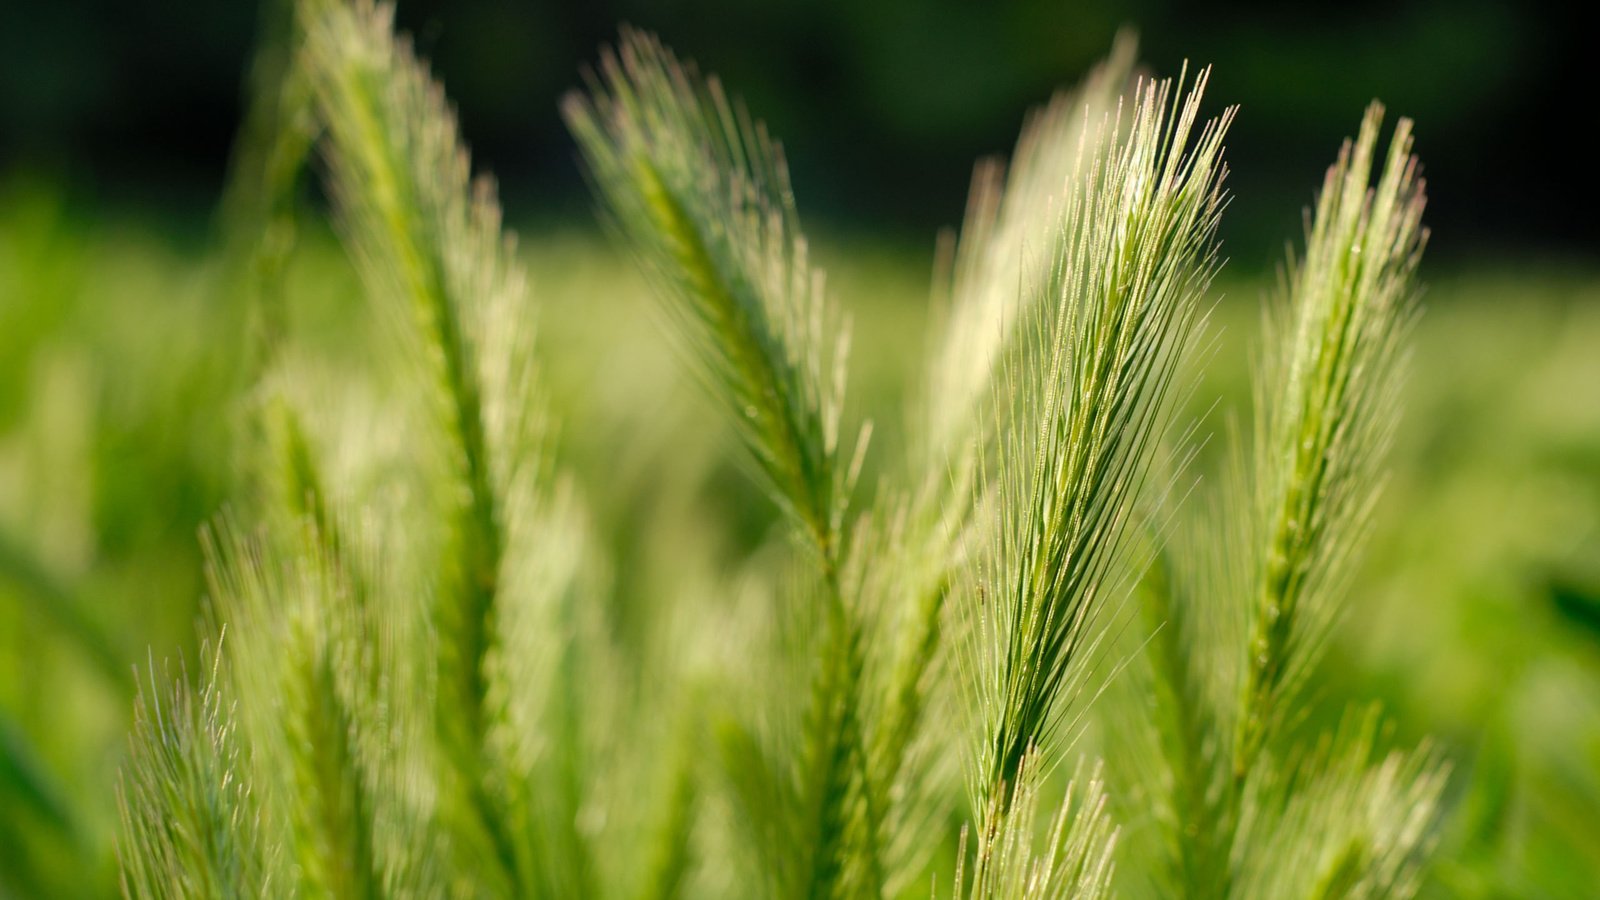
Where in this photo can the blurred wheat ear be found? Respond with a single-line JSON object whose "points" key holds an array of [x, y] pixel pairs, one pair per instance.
{"points": [[350, 815], [429, 239]]}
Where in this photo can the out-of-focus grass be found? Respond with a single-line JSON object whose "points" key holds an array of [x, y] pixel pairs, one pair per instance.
{"points": [[123, 368], [1480, 622], [114, 387]]}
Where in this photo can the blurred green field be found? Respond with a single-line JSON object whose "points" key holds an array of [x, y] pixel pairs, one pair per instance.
{"points": [[126, 365]]}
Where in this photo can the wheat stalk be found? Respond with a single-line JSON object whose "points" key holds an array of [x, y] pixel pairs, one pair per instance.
{"points": [[1249, 588], [1328, 404], [1134, 249], [430, 238], [703, 194]]}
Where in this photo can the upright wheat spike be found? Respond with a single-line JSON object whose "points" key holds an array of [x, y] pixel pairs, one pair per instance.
{"points": [[430, 239], [703, 194], [1133, 250], [1327, 409], [191, 820], [1251, 589], [984, 284]]}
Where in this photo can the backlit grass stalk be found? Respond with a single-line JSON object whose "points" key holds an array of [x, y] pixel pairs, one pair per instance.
{"points": [[703, 194], [1133, 250], [430, 238], [191, 820], [1326, 411], [1250, 591], [999, 266]]}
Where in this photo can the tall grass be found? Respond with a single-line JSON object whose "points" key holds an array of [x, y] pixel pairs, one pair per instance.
{"points": [[1259, 804], [420, 685]]}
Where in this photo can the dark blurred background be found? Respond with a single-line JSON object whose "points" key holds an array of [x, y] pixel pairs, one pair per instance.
{"points": [[884, 104]]}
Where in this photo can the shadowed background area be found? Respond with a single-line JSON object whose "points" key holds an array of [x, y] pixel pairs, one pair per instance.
{"points": [[125, 374], [884, 105]]}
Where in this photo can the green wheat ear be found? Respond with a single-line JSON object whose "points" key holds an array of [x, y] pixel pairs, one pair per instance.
{"points": [[925, 530], [192, 824], [1074, 858], [431, 247], [1355, 821], [1083, 398], [1249, 588], [703, 194], [1327, 399]]}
